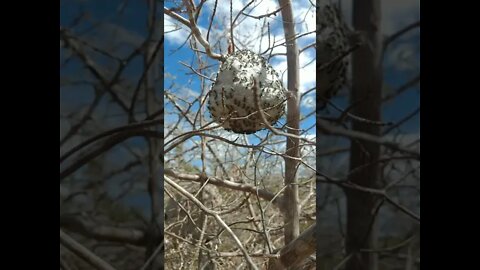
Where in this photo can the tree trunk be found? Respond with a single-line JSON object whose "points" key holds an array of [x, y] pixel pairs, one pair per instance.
{"points": [[292, 229], [366, 93], [154, 146]]}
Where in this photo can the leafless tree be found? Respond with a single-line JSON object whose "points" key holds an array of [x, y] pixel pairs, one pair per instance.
{"points": [[111, 133], [369, 185], [234, 200]]}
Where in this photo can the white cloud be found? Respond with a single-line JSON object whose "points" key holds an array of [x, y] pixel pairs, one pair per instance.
{"points": [[251, 33], [403, 56], [307, 69], [249, 30], [305, 20], [111, 31], [187, 93], [176, 32], [308, 102]]}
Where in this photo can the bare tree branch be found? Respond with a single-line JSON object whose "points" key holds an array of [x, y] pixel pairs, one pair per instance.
{"points": [[83, 252], [332, 130], [217, 218], [292, 227], [264, 194], [197, 34], [102, 147], [296, 251], [90, 228]]}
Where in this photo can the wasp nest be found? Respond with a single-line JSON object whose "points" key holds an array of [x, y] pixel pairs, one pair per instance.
{"points": [[332, 42], [231, 100]]}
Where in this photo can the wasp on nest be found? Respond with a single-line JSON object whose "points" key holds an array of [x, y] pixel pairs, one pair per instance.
{"points": [[231, 99]]}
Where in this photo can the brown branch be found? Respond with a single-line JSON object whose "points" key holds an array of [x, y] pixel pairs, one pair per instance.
{"points": [[177, 17], [91, 229], [150, 61], [291, 217], [103, 147], [64, 265], [211, 19], [399, 33], [392, 248], [264, 194], [338, 57], [296, 251], [108, 133], [154, 254], [154, 242], [414, 81], [403, 209], [220, 138], [217, 217], [72, 43], [87, 116], [198, 35], [196, 72], [402, 121], [83, 252], [238, 254], [274, 13], [241, 11], [373, 191], [332, 130], [263, 117]]}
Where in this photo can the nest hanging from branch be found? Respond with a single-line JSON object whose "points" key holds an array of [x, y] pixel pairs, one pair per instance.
{"points": [[332, 43], [231, 99]]}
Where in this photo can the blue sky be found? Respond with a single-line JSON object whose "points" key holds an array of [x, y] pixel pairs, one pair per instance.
{"points": [[396, 15], [129, 28], [119, 29], [247, 31]]}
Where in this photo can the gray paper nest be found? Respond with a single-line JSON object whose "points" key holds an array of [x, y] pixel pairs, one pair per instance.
{"points": [[232, 95]]}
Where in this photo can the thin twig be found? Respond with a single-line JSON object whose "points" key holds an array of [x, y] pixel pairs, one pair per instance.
{"points": [[83, 252], [198, 35], [154, 254], [211, 19], [274, 13], [261, 193], [332, 130], [217, 217]]}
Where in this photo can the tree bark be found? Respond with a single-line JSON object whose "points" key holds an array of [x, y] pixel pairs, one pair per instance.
{"points": [[154, 146], [292, 229], [293, 254], [366, 90]]}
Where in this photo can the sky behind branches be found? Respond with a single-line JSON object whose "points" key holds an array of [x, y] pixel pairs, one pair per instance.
{"points": [[126, 28], [396, 14], [401, 55], [246, 32]]}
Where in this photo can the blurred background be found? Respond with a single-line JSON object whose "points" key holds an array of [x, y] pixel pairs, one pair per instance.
{"points": [[111, 126], [369, 229]]}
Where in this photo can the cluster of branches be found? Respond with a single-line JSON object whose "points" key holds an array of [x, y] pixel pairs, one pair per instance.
{"points": [[248, 203], [112, 138], [369, 183], [225, 195]]}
